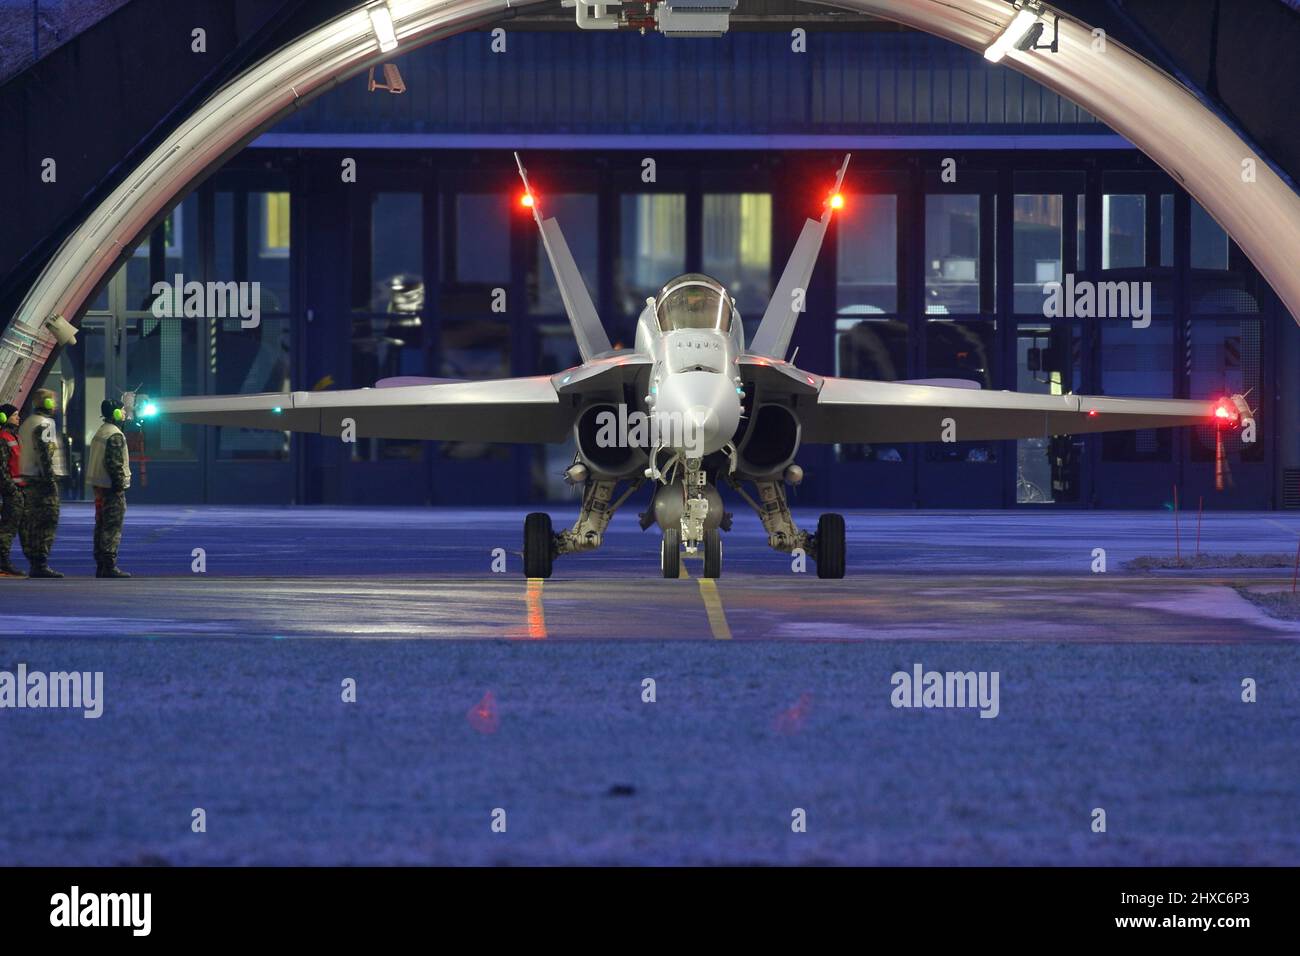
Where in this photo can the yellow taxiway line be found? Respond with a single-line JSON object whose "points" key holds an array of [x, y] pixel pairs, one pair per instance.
{"points": [[712, 604]]}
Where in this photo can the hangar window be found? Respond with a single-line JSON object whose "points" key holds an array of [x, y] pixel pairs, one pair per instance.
{"points": [[1209, 241], [952, 254], [1036, 248], [1081, 232], [1166, 230], [652, 246], [275, 225], [476, 247], [1123, 231], [866, 254], [737, 246], [267, 219]]}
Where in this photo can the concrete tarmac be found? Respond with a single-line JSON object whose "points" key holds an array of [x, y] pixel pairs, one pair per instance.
{"points": [[478, 692]]}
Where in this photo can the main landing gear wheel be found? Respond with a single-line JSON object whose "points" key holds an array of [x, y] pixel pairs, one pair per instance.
{"points": [[830, 546], [713, 553], [539, 545], [670, 553]]}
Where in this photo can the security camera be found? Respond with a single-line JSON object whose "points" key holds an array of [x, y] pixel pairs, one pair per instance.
{"points": [[62, 330]]}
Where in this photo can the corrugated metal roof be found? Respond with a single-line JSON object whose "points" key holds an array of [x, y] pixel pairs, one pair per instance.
{"points": [[573, 82]]}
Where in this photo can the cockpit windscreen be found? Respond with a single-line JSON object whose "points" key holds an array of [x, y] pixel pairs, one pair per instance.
{"points": [[693, 301]]}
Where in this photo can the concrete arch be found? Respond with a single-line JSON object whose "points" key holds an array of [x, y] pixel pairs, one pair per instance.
{"points": [[1132, 96]]}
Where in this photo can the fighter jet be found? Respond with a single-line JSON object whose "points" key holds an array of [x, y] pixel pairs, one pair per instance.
{"points": [[688, 408]]}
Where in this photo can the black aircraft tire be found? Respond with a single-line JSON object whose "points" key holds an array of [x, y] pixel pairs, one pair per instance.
{"points": [[830, 546], [670, 553], [713, 553], [539, 545]]}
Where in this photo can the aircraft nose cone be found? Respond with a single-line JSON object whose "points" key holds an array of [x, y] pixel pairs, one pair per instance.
{"points": [[698, 412], [704, 429]]}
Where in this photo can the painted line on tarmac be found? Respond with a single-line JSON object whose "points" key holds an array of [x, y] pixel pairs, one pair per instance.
{"points": [[712, 605]]}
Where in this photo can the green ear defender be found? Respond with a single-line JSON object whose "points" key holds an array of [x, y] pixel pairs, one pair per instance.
{"points": [[118, 415], [4, 419], [48, 404]]}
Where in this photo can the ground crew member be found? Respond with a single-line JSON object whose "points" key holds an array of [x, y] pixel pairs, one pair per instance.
{"points": [[11, 493], [109, 471], [41, 468]]}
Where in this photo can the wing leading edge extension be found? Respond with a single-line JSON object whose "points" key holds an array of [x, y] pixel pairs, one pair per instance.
{"points": [[854, 410]]}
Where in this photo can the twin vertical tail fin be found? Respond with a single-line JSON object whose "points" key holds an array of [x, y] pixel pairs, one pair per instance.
{"points": [[777, 327], [587, 329]]}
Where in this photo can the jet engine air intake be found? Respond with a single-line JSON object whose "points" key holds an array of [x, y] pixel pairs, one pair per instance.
{"points": [[771, 443], [607, 460]]}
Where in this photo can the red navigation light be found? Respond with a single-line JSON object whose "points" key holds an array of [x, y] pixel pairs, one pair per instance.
{"points": [[526, 200], [1092, 413], [837, 200], [1225, 412]]}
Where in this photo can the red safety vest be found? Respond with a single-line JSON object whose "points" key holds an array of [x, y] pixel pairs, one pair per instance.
{"points": [[11, 440]]}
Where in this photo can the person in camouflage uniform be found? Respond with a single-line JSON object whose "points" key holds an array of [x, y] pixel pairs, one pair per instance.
{"points": [[42, 468], [11, 493], [109, 471]]}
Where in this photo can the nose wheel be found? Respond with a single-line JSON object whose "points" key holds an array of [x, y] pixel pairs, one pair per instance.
{"points": [[670, 553], [713, 553]]}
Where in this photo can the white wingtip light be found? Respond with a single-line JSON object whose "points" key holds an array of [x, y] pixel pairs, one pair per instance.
{"points": [[381, 21], [1015, 32]]}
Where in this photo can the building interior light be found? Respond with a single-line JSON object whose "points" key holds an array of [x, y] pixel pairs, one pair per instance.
{"points": [[381, 20]]}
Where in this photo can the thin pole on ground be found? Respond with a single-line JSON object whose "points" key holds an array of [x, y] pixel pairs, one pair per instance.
{"points": [[1178, 544], [1200, 504]]}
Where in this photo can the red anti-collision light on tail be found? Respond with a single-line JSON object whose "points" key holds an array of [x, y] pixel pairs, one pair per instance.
{"points": [[527, 201], [1092, 413], [837, 200]]}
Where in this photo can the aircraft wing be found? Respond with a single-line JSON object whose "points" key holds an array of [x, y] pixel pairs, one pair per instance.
{"points": [[856, 410], [539, 409]]}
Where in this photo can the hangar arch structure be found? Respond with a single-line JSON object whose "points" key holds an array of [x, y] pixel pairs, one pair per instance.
{"points": [[1162, 118]]}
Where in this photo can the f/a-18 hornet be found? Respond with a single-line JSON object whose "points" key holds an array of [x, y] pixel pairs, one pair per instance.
{"points": [[689, 407]]}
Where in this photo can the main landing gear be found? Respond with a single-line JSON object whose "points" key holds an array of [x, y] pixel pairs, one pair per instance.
{"points": [[826, 547], [689, 510], [542, 544]]}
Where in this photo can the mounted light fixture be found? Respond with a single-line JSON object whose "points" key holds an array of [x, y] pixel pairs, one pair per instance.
{"points": [[381, 21], [1023, 32]]}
